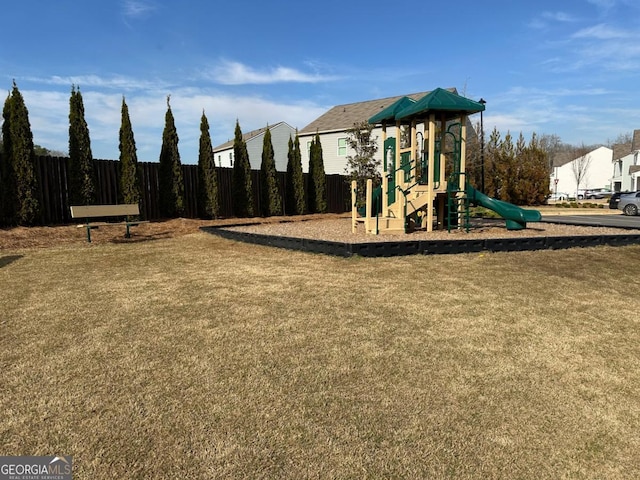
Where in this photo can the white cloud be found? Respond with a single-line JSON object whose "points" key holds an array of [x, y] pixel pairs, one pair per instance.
{"points": [[596, 50], [49, 118], [137, 8], [532, 93], [236, 73], [117, 82], [581, 115], [601, 32], [543, 20], [562, 17], [603, 4]]}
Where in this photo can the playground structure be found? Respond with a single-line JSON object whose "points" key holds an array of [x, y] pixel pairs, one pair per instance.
{"points": [[424, 170]]}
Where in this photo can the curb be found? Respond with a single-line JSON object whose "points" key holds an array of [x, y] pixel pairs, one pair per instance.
{"points": [[423, 247]]}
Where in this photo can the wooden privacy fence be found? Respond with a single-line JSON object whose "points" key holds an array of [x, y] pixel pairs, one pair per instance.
{"points": [[52, 183]]}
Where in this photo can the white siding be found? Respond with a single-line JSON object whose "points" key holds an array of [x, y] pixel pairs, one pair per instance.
{"points": [[280, 134], [598, 173], [223, 158], [621, 172], [334, 163]]}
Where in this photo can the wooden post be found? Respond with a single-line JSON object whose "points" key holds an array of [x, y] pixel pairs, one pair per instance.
{"points": [[442, 199], [432, 164], [463, 150], [463, 177], [385, 196], [369, 204], [385, 180], [399, 173], [443, 141], [414, 149], [354, 210]]}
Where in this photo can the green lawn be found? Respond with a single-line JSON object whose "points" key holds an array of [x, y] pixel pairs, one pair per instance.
{"points": [[197, 357]]}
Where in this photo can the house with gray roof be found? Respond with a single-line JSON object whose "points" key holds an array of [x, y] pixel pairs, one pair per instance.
{"points": [[626, 165], [592, 168], [280, 134], [332, 127]]}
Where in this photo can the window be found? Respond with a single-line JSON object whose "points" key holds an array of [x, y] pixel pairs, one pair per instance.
{"points": [[220, 160], [309, 148], [342, 147], [231, 158]]}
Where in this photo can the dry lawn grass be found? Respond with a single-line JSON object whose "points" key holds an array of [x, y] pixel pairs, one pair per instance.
{"points": [[197, 357]]}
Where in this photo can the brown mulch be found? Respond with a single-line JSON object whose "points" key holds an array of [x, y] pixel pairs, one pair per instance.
{"points": [[339, 230], [333, 227], [43, 237]]}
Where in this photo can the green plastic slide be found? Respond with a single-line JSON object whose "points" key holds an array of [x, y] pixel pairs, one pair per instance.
{"points": [[516, 217]]}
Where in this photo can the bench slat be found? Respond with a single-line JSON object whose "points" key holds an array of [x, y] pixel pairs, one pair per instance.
{"points": [[132, 223], [92, 211]]}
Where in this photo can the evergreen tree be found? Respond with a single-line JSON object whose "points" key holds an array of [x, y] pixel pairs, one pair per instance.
{"points": [[21, 157], [492, 160], [473, 165], [129, 175], [517, 173], [506, 168], [317, 191], [207, 175], [271, 201], [295, 201], [7, 175], [170, 179], [82, 190], [535, 172], [242, 186]]}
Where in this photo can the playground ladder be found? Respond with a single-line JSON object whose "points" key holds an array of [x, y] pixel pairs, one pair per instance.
{"points": [[457, 203]]}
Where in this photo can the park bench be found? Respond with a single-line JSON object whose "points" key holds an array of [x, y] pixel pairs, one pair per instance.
{"points": [[90, 212]]}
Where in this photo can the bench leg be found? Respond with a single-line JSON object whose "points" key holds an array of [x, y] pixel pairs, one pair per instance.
{"points": [[88, 234], [127, 235]]}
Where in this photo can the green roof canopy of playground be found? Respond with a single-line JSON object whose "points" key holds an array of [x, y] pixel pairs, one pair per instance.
{"points": [[439, 100], [389, 113]]}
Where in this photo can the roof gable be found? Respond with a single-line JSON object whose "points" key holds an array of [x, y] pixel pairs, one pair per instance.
{"points": [[568, 156], [251, 135]]}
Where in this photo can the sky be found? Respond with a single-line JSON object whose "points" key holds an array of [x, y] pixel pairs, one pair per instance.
{"points": [[569, 68]]}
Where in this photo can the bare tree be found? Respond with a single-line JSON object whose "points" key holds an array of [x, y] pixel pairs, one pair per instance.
{"points": [[580, 166], [553, 146], [621, 138]]}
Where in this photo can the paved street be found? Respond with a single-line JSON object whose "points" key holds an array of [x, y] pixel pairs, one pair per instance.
{"points": [[616, 221]]}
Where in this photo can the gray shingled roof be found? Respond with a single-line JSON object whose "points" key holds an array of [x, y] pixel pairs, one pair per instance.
{"points": [[342, 117], [622, 150], [562, 158], [245, 137], [634, 169]]}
